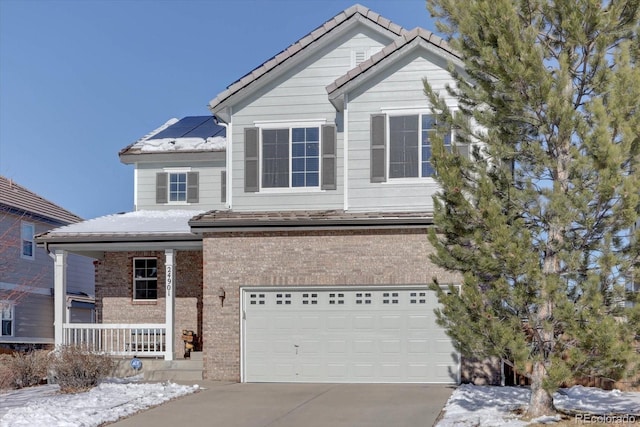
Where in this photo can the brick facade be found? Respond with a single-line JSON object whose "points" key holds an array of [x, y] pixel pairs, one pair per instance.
{"points": [[114, 292], [301, 258]]}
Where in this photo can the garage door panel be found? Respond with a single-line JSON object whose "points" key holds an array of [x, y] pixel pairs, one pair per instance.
{"points": [[363, 322], [338, 322], [323, 335], [392, 347]]}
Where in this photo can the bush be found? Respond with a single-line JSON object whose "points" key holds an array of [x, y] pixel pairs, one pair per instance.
{"points": [[76, 369], [20, 370], [6, 373]]}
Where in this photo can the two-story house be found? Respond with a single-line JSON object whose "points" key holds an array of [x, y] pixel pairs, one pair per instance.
{"points": [[288, 230], [26, 271]]}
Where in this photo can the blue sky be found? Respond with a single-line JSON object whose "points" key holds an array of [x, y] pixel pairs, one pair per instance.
{"points": [[82, 79]]}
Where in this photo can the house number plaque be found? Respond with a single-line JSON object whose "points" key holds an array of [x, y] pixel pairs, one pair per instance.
{"points": [[169, 279]]}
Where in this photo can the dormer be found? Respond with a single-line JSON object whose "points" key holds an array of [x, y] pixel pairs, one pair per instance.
{"points": [[180, 165]]}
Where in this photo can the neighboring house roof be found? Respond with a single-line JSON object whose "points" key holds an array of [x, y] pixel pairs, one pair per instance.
{"points": [[130, 226], [415, 37], [18, 198], [303, 220], [189, 134], [306, 43]]}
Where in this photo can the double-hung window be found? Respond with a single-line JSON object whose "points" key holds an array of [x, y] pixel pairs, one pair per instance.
{"points": [[401, 145], [145, 278], [6, 317], [177, 187], [27, 249], [290, 157]]}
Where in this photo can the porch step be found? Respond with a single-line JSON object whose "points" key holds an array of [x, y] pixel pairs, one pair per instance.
{"points": [[173, 370]]}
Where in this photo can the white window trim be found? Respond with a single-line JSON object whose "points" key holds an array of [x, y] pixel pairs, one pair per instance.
{"points": [[290, 124], [12, 317], [133, 271], [409, 111], [33, 243]]}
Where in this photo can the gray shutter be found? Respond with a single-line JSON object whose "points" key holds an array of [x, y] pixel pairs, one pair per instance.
{"points": [[161, 187], [223, 186], [329, 166], [192, 187], [378, 148], [463, 150], [251, 160]]}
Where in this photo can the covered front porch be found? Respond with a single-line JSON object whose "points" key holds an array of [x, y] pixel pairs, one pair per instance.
{"points": [[148, 284]]}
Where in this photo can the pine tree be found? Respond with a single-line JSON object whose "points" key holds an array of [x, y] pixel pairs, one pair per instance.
{"points": [[538, 220]]}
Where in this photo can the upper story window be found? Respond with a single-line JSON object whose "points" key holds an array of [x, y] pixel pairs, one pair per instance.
{"points": [[6, 317], [401, 146], [290, 157], [145, 278], [177, 187], [27, 231]]}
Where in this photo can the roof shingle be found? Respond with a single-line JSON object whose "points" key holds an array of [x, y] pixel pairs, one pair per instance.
{"points": [[17, 197]]}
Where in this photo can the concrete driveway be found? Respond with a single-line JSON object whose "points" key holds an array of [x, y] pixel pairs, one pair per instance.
{"points": [[300, 405]]}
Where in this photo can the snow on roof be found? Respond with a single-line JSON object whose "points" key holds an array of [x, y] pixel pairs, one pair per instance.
{"points": [[216, 143], [193, 133], [138, 222]]}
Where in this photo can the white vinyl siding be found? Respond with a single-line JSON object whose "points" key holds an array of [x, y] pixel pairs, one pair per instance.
{"points": [[297, 96], [209, 185]]}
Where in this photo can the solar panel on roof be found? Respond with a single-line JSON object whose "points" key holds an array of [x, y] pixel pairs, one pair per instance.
{"points": [[192, 127], [207, 129]]}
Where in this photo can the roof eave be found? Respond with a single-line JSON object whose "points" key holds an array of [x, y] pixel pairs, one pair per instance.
{"points": [[244, 225], [118, 243], [345, 84], [137, 157]]}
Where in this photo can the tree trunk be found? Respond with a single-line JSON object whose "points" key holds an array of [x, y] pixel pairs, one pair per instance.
{"points": [[541, 402]]}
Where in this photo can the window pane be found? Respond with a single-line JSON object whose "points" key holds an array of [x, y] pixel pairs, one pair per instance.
{"points": [[306, 159], [403, 146], [146, 279], [275, 158], [312, 149], [27, 248], [312, 179], [429, 130], [27, 231], [298, 150], [177, 187], [313, 134], [297, 179], [6, 328], [298, 135]]}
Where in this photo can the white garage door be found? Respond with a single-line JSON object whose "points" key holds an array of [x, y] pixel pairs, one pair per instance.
{"points": [[345, 335]]}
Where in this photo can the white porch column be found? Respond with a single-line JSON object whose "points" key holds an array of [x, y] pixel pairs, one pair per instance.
{"points": [[59, 295], [169, 262]]}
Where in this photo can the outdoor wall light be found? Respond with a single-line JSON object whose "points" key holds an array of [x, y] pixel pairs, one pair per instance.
{"points": [[221, 295]]}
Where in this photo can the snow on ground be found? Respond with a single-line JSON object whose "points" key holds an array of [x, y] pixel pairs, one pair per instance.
{"points": [[471, 405], [110, 401]]}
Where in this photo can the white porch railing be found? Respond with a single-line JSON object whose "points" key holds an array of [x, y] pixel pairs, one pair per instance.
{"points": [[143, 340]]}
